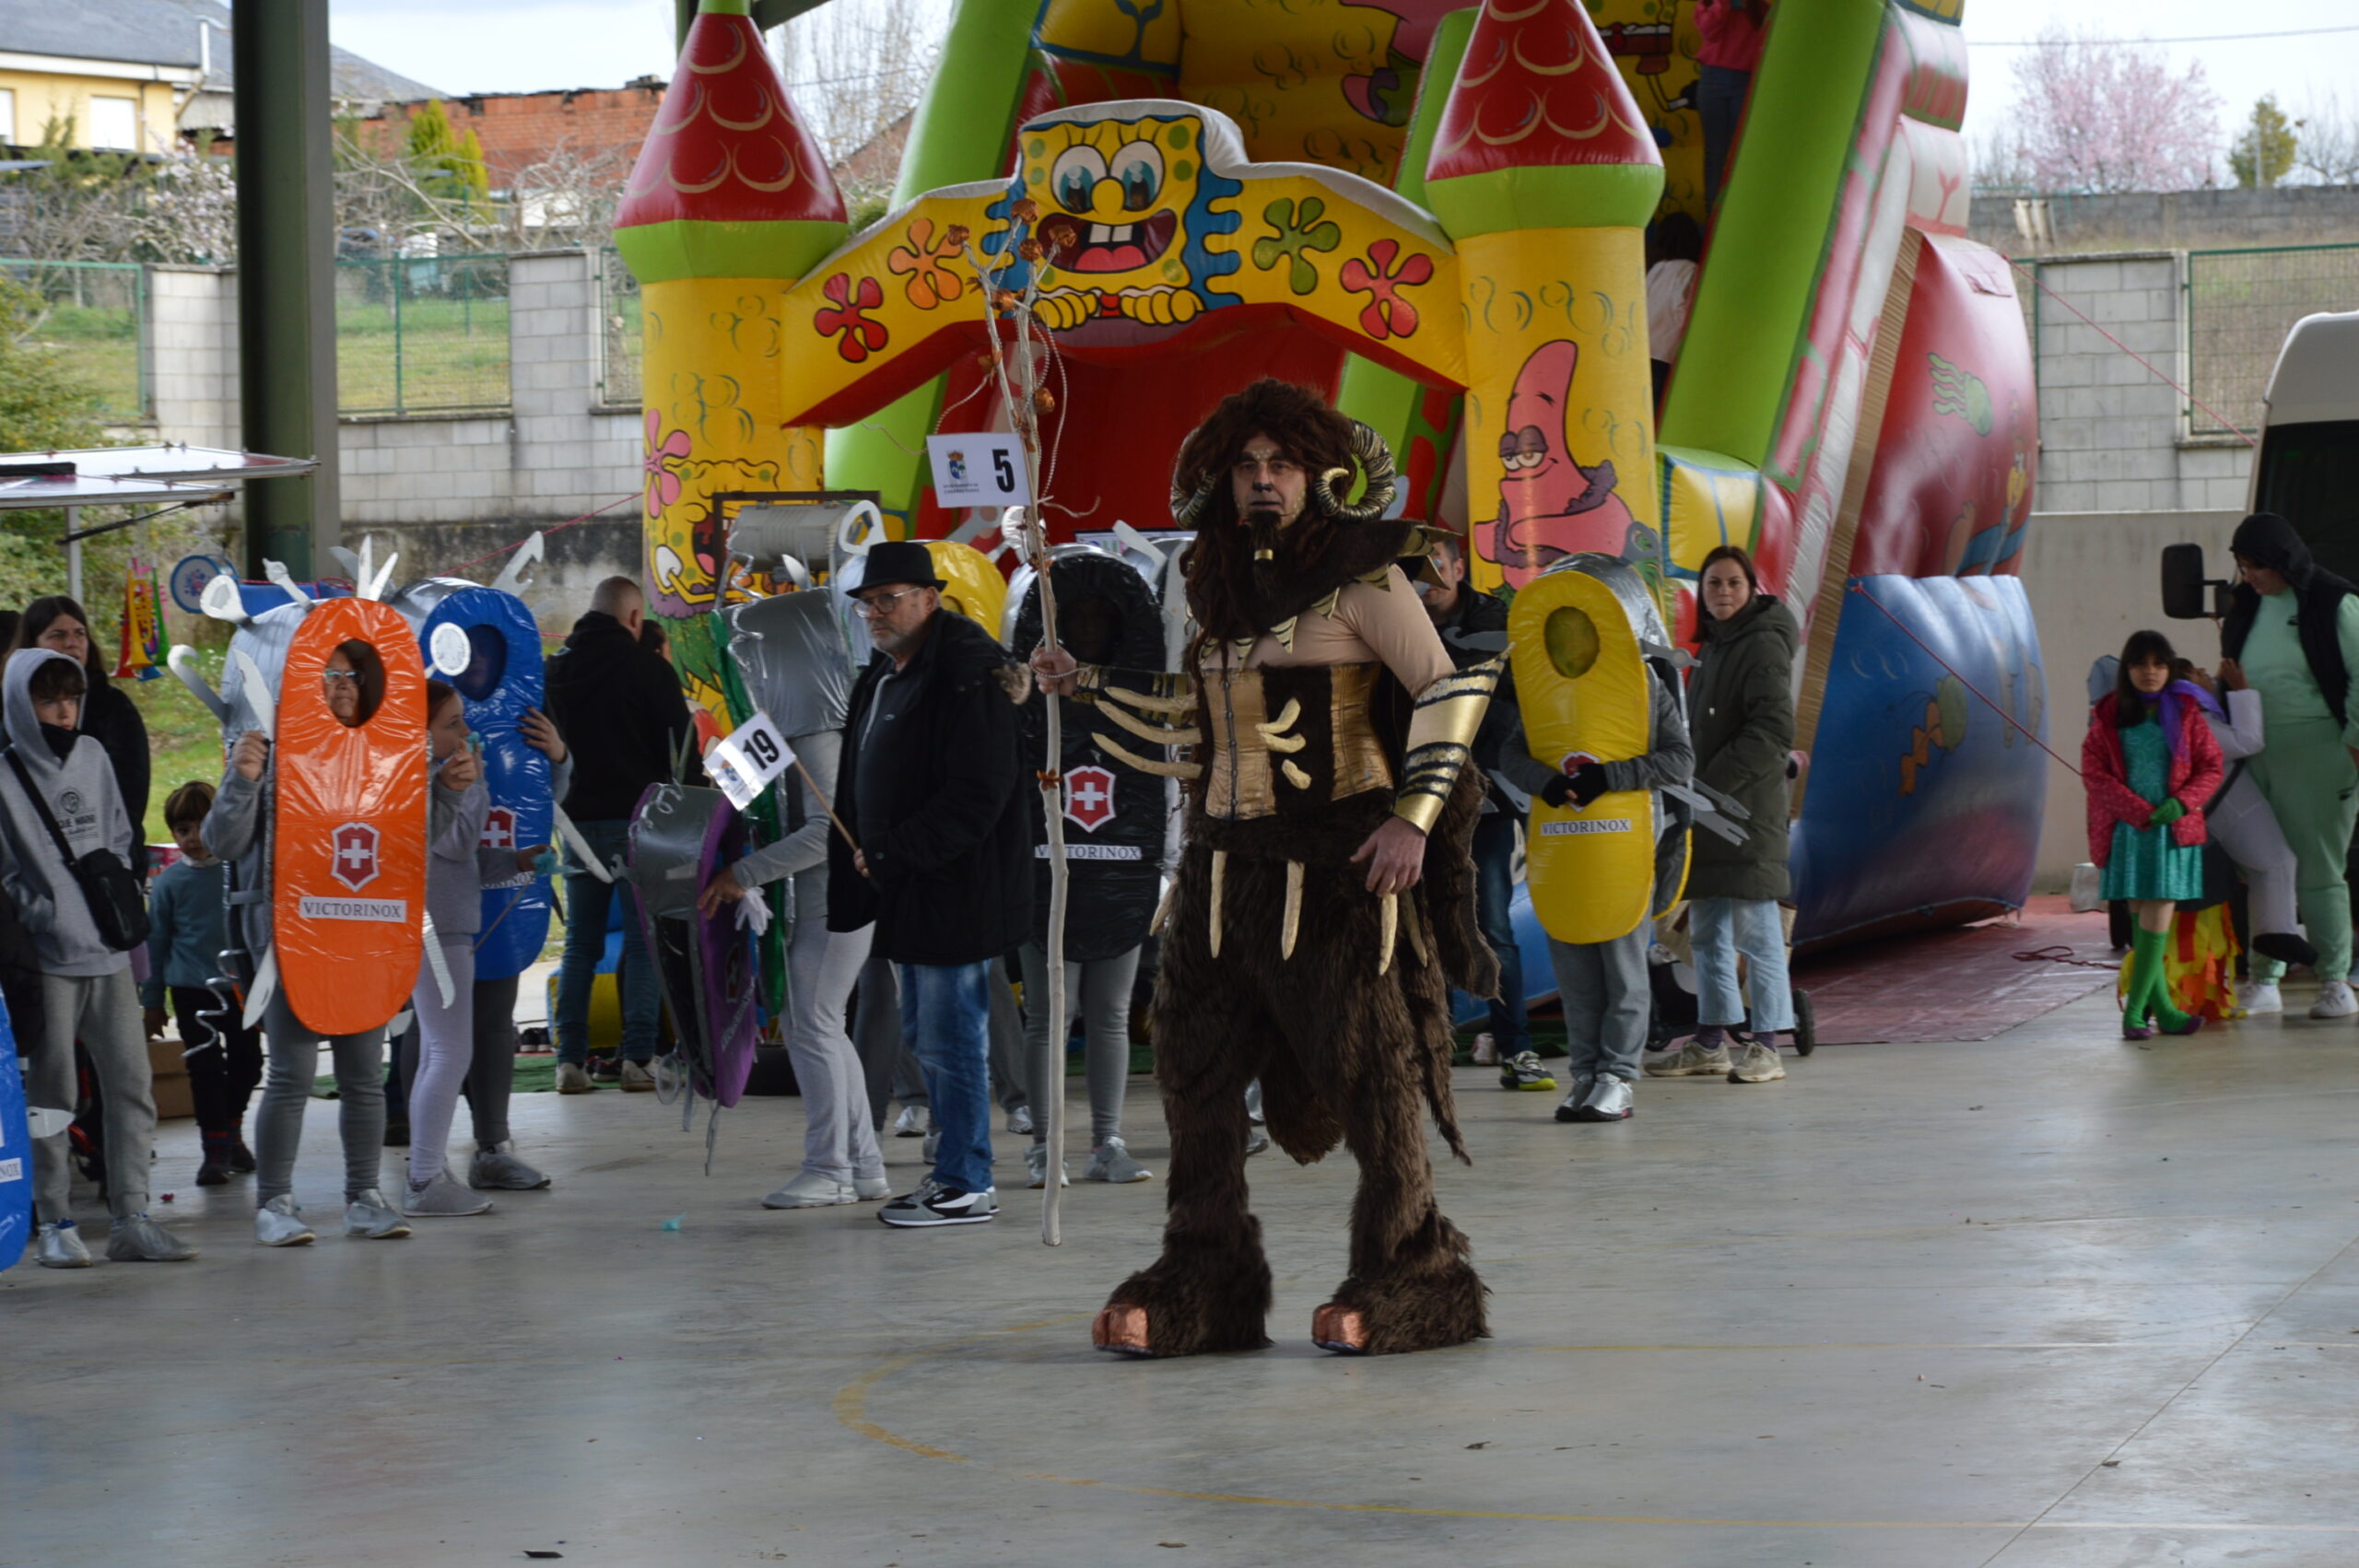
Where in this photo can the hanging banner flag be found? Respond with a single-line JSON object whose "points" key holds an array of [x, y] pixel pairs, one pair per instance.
{"points": [[140, 654]]}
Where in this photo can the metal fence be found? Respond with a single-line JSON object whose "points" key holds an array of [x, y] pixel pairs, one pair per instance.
{"points": [[2239, 307], [423, 334], [95, 317], [620, 338]]}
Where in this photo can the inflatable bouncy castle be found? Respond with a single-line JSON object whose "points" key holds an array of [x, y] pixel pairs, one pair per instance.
{"points": [[1439, 216]]}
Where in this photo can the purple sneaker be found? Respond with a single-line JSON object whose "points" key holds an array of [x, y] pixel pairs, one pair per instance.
{"points": [[2140, 1031]]}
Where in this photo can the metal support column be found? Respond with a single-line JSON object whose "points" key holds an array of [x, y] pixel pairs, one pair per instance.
{"points": [[286, 275]]}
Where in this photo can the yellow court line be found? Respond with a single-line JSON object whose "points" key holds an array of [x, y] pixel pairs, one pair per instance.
{"points": [[851, 1407]]}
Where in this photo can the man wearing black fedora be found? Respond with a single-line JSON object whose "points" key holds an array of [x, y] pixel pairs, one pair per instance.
{"points": [[931, 794]]}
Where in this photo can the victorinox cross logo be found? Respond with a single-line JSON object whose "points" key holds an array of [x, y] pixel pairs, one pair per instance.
{"points": [[499, 828], [1089, 797], [354, 861]]}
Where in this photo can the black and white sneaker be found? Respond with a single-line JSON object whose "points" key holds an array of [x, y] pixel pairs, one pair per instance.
{"points": [[934, 1204]]}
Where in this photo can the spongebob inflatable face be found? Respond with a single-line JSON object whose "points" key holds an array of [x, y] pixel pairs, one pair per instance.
{"points": [[1125, 210]]}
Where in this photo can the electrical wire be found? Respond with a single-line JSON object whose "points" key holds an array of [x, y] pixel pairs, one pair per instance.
{"points": [[2121, 42]]}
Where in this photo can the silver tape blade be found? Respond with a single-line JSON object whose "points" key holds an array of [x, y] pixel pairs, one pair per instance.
{"points": [[47, 1122], [257, 693], [182, 660], [223, 602], [258, 995], [400, 1026], [511, 576], [579, 845], [355, 567], [440, 964]]}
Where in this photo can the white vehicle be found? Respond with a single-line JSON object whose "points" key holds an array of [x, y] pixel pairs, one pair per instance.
{"points": [[2308, 471]]}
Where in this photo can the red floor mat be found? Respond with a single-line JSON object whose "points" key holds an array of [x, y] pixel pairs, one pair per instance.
{"points": [[1965, 984]]}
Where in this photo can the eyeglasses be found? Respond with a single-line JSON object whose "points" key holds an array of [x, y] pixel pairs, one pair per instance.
{"points": [[339, 675], [877, 604]]}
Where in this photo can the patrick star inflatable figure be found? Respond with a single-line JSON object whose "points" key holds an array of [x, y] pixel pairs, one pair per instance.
{"points": [[1550, 505]]}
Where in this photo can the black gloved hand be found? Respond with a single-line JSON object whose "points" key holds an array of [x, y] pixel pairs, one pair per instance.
{"points": [[1578, 788]]}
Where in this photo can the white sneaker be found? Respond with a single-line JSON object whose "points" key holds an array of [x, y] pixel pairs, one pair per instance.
{"points": [[868, 1189], [2257, 998], [1036, 1165], [370, 1216], [808, 1191], [1019, 1120], [60, 1246], [443, 1197], [912, 1122], [1486, 1051], [278, 1224], [1689, 1058], [2335, 1000]]}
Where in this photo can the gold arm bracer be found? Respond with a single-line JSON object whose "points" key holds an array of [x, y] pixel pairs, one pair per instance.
{"points": [[1441, 737]]}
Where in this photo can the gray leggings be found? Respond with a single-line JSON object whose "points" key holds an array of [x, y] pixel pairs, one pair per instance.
{"points": [[104, 1011], [1101, 987], [492, 1079], [294, 1049]]}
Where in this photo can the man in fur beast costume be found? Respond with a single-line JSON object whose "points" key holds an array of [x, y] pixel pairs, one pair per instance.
{"points": [[1324, 904]]}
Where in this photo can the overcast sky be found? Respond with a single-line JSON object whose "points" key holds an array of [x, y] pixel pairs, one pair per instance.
{"points": [[465, 46]]}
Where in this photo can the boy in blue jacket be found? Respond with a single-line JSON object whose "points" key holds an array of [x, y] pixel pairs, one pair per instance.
{"points": [[188, 927]]}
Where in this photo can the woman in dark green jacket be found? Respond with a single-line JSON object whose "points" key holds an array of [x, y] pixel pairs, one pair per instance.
{"points": [[1741, 714]]}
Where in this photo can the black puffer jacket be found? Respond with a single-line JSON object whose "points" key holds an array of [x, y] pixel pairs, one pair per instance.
{"points": [[617, 703], [1741, 714], [950, 859]]}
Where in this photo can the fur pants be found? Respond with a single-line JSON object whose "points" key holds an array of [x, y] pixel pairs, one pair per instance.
{"points": [[1343, 1054]]}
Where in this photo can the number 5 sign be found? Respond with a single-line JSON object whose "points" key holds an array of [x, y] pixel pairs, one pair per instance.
{"points": [[984, 469], [743, 765]]}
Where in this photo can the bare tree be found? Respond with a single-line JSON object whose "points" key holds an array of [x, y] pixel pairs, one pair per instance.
{"points": [[566, 197], [2326, 146], [2103, 117], [855, 74]]}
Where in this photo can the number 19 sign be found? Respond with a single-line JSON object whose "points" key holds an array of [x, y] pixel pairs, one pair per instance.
{"points": [[745, 764], [984, 469]]}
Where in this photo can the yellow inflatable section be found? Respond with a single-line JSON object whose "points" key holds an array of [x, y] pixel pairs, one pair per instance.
{"points": [[972, 585], [1581, 681]]}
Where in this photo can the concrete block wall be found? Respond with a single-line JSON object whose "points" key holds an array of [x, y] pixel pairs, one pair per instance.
{"points": [[2114, 435], [462, 485]]}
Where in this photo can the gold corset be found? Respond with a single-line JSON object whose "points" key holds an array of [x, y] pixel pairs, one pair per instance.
{"points": [[1289, 739]]}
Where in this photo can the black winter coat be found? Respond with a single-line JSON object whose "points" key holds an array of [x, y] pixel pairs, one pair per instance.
{"points": [[950, 863], [111, 718], [618, 704], [1740, 715]]}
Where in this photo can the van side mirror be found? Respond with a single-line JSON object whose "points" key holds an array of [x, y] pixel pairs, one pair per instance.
{"points": [[2184, 582]]}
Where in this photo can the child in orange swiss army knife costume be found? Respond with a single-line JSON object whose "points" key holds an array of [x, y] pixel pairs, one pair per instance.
{"points": [[322, 816], [1325, 900]]}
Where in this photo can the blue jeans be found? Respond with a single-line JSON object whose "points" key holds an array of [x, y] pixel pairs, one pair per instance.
{"points": [[1719, 104], [1719, 928], [586, 905], [1494, 899], [946, 1018]]}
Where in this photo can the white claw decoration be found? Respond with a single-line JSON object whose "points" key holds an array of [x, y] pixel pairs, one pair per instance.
{"points": [[222, 601], [47, 1122], [277, 573], [355, 567], [375, 588], [579, 845]]}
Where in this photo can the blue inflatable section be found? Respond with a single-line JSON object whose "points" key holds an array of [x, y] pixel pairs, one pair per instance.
{"points": [[260, 596], [16, 1154], [503, 681], [1539, 976], [1924, 805]]}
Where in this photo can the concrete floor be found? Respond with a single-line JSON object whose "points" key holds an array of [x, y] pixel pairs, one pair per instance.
{"points": [[2052, 1300]]}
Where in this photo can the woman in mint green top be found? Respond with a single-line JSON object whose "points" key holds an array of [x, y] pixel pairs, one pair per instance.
{"points": [[2292, 635]]}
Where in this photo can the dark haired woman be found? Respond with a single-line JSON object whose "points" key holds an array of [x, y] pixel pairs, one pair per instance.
{"points": [[109, 715], [2150, 763], [1741, 713]]}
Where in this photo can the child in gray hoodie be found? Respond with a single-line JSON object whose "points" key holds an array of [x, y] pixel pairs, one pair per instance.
{"points": [[86, 985]]}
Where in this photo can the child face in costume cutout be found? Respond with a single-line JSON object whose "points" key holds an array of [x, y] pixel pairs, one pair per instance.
{"points": [[340, 684]]}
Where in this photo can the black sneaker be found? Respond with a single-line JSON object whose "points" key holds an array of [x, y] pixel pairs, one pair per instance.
{"points": [[934, 1204]]}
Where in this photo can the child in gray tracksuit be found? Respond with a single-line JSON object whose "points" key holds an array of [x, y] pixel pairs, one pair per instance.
{"points": [[86, 985], [1603, 985]]}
